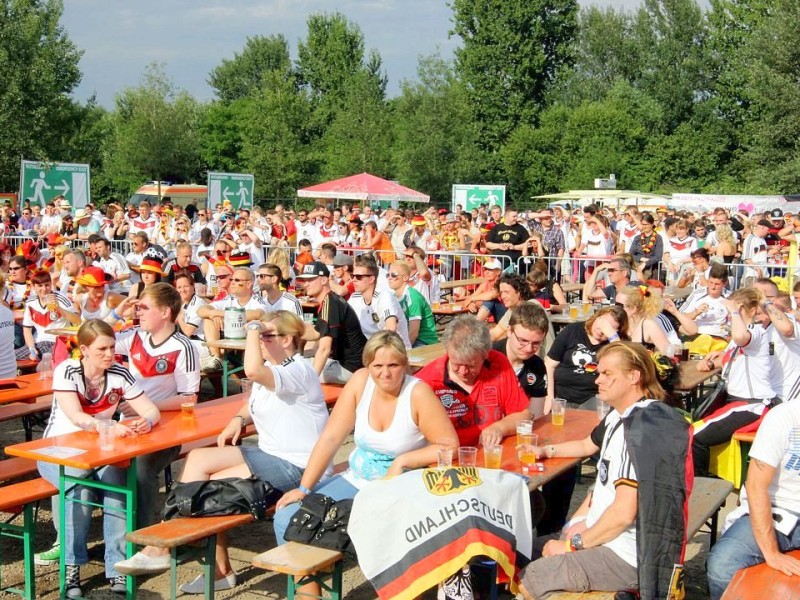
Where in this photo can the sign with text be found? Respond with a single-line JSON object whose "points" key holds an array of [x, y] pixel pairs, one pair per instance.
{"points": [[472, 196], [237, 188], [40, 182]]}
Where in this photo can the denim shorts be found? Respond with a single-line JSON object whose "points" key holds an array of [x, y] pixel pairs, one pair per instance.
{"points": [[282, 474]]}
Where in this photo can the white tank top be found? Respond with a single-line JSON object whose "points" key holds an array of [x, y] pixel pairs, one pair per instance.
{"points": [[100, 313], [376, 450]]}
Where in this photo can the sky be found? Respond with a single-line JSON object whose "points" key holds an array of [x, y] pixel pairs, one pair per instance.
{"points": [[191, 37]]}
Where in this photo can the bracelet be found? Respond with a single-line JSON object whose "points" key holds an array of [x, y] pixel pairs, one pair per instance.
{"points": [[735, 313], [244, 421], [115, 315], [614, 338], [304, 489]]}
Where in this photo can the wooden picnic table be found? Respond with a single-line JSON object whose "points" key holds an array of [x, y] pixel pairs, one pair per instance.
{"points": [[449, 285], [578, 424], [572, 288], [227, 371], [27, 389], [422, 355], [562, 319], [172, 430], [63, 331], [451, 309], [690, 378]]}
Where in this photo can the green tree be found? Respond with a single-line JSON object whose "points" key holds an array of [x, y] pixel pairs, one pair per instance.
{"points": [[509, 58], [433, 131], [221, 132], [359, 137], [771, 159], [153, 134], [671, 40], [275, 145], [39, 66], [240, 76]]}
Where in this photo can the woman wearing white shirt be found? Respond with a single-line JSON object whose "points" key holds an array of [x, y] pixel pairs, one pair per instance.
{"points": [[84, 392], [749, 385], [288, 410]]}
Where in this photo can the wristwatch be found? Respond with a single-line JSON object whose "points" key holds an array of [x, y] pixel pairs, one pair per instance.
{"points": [[254, 326], [576, 542]]}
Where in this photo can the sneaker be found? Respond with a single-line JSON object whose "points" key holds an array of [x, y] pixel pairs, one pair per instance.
{"points": [[210, 363], [141, 564], [48, 557], [119, 584], [198, 586], [73, 583]]}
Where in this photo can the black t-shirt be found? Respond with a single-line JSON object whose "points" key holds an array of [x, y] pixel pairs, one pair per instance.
{"points": [[337, 319], [577, 364], [532, 376], [508, 234]]}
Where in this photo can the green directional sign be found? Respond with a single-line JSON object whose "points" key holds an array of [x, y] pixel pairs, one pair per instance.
{"points": [[236, 187], [40, 182], [472, 196]]}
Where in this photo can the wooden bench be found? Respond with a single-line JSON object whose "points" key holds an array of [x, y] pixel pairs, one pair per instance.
{"points": [[19, 498], [761, 581], [27, 365], [449, 285], [180, 532], [304, 564], [16, 468], [27, 411], [708, 497]]}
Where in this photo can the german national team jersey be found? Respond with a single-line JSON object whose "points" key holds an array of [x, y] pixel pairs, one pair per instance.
{"points": [[164, 370], [254, 303], [190, 315], [284, 302], [146, 225], [372, 316], [40, 319], [494, 396], [115, 265], [68, 376]]}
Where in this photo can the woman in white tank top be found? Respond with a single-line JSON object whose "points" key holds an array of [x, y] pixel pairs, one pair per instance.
{"points": [[97, 302], [399, 424]]}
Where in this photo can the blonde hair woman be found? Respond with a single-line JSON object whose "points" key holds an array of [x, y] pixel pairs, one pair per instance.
{"points": [[726, 245], [643, 306]]}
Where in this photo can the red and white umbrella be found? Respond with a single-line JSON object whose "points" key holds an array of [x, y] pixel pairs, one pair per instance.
{"points": [[363, 187]]}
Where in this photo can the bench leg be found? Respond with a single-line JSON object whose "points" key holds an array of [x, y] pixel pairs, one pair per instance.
{"points": [[334, 589], [24, 533], [209, 568], [714, 523]]}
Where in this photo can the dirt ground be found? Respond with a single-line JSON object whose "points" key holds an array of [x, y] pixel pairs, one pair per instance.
{"points": [[246, 542]]}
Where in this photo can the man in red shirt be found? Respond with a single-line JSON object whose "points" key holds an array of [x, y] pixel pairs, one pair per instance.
{"points": [[476, 385]]}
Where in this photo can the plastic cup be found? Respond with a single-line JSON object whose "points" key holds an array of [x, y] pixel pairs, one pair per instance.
{"points": [[527, 455], [523, 427], [602, 409], [573, 311], [105, 430], [187, 410], [587, 307], [246, 385], [559, 411], [467, 456], [492, 456], [445, 458]]}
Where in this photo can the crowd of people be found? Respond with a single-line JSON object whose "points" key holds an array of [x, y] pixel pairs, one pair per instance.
{"points": [[154, 283]]}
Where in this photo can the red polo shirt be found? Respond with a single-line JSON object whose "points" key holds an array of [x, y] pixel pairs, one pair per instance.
{"points": [[496, 394]]}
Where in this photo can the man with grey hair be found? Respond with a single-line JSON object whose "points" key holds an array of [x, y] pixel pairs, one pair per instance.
{"points": [[476, 385]]}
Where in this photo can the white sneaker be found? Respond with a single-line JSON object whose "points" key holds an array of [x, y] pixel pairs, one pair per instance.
{"points": [[198, 586], [210, 363], [141, 564]]}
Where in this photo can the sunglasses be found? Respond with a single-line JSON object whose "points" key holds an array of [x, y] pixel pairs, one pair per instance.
{"points": [[264, 275], [612, 270], [16, 268], [360, 276], [269, 336], [393, 275]]}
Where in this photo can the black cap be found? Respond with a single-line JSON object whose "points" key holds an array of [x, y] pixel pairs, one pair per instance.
{"points": [[314, 269], [776, 213]]}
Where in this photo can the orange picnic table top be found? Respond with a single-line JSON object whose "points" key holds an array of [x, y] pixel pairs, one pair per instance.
{"points": [[577, 425], [173, 429], [25, 388]]}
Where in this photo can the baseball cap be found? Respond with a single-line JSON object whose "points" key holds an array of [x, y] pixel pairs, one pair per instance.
{"points": [[314, 269], [776, 213], [342, 260], [493, 264]]}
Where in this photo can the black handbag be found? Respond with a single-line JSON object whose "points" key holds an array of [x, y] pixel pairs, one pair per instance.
{"points": [[217, 497], [321, 521], [717, 396]]}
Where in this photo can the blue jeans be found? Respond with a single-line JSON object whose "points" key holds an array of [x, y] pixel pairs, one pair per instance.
{"points": [[281, 474], [337, 487], [737, 549], [78, 517]]}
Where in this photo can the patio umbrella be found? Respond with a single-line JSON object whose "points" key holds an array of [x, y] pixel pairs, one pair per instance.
{"points": [[365, 188]]}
